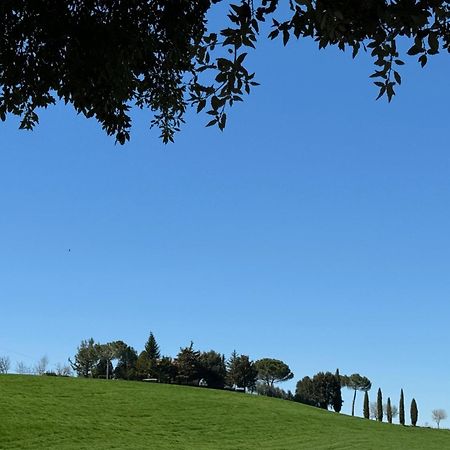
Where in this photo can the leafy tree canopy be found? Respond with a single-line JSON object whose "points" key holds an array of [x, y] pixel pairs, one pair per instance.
{"points": [[356, 382], [103, 369], [126, 366], [104, 57], [272, 371], [305, 392]]}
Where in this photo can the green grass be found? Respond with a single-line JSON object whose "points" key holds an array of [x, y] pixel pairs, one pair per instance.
{"points": [[67, 413]]}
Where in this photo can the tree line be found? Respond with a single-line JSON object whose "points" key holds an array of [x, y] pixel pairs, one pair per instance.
{"points": [[211, 369], [190, 366], [238, 372]]}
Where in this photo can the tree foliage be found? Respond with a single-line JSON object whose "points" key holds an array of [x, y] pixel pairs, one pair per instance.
{"points": [[101, 57], [304, 392], [379, 406], [337, 397], [105, 57], [272, 391], [213, 369], [166, 370], [86, 358], [188, 365], [241, 372], [143, 366], [356, 382], [126, 364], [402, 408], [414, 412], [152, 348], [322, 391], [366, 407], [103, 368], [272, 371]]}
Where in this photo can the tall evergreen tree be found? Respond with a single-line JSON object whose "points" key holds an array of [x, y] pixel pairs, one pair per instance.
{"points": [[379, 406], [323, 389], [414, 412], [305, 392], [337, 394], [366, 408], [241, 372], [167, 370], [86, 359], [389, 410], [188, 365], [402, 408], [232, 369], [152, 348], [213, 369]]}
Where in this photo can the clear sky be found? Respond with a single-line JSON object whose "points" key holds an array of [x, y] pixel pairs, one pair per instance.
{"points": [[315, 229]]}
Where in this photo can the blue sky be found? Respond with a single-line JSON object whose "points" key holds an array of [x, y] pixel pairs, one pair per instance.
{"points": [[314, 229]]}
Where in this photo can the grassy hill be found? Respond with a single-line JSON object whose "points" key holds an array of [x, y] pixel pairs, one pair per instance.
{"points": [[68, 413]]}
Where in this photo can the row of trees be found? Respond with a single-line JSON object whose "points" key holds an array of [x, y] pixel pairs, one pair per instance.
{"points": [[323, 390], [190, 366], [378, 410], [212, 369]]}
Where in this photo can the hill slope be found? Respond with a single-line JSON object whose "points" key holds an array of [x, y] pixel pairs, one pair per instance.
{"points": [[67, 413]]}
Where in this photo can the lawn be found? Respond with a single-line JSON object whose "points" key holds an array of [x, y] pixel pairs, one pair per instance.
{"points": [[70, 413]]}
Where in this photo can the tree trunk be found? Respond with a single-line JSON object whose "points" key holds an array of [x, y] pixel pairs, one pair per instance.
{"points": [[353, 403], [107, 368]]}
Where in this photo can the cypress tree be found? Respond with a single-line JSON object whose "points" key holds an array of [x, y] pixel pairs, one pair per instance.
{"points": [[389, 410], [414, 412], [366, 406], [379, 406], [401, 412], [233, 369], [337, 394]]}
